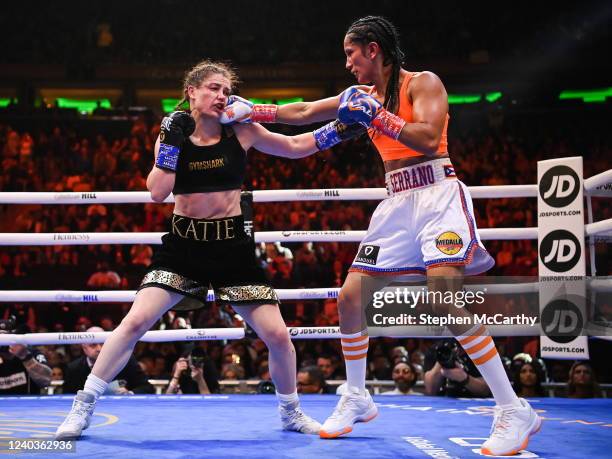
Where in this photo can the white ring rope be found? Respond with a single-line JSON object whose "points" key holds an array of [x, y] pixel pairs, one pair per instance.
{"points": [[127, 296], [154, 336], [486, 234], [73, 197], [600, 227], [324, 194], [207, 334], [600, 184], [260, 236], [601, 285], [591, 185]]}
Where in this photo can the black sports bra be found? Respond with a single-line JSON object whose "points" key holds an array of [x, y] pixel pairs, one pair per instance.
{"points": [[216, 167]]}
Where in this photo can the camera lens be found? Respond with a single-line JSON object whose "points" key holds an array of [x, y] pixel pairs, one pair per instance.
{"points": [[446, 354], [197, 361]]}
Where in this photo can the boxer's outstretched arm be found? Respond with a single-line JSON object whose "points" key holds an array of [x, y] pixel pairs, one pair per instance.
{"points": [[243, 111], [294, 147], [297, 146], [299, 113]]}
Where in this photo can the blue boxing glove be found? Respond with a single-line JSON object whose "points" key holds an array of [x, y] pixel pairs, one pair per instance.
{"points": [[357, 106], [336, 132], [175, 128]]}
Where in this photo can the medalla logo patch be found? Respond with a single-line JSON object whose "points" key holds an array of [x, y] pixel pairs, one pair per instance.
{"points": [[368, 254], [449, 243], [559, 186]]}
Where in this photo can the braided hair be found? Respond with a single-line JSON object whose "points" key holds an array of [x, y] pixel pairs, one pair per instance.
{"points": [[380, 30]]}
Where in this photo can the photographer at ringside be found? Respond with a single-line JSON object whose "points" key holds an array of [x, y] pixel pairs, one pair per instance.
{"points": [[449, 371], [193, 373], [23, 370]]}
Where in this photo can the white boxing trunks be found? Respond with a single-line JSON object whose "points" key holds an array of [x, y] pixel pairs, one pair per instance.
{"points": [[427, 221]]}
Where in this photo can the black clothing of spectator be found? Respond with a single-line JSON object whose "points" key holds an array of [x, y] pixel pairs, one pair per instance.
{"points": [[14, 378], [79, 369]]}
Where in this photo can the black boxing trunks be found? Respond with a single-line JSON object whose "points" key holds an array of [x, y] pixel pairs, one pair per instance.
{"points": [[199, 253]]}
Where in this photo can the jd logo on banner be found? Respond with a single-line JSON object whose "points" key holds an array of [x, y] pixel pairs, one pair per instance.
{"points": [[560, 251], [559, 186], [562, 321]]}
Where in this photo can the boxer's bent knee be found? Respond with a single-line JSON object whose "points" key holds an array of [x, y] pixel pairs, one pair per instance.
{"points": [[277, 338], [134, 325]]}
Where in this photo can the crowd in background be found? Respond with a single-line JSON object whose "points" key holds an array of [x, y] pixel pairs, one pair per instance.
{"points": [[81, 37], [57, 158]]}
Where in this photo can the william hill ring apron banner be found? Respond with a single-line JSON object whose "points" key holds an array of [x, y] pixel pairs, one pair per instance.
{"points": [[561, 260]]}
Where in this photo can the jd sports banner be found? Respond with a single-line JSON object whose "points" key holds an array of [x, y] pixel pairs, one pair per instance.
{"points": [[561, 258]]}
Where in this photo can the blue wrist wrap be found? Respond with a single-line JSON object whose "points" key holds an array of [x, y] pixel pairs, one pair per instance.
{"points": [[326, 136], [167, 157]]}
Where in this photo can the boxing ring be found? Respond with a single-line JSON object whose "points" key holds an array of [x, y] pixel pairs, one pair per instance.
{"points": [[232, 425]]}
